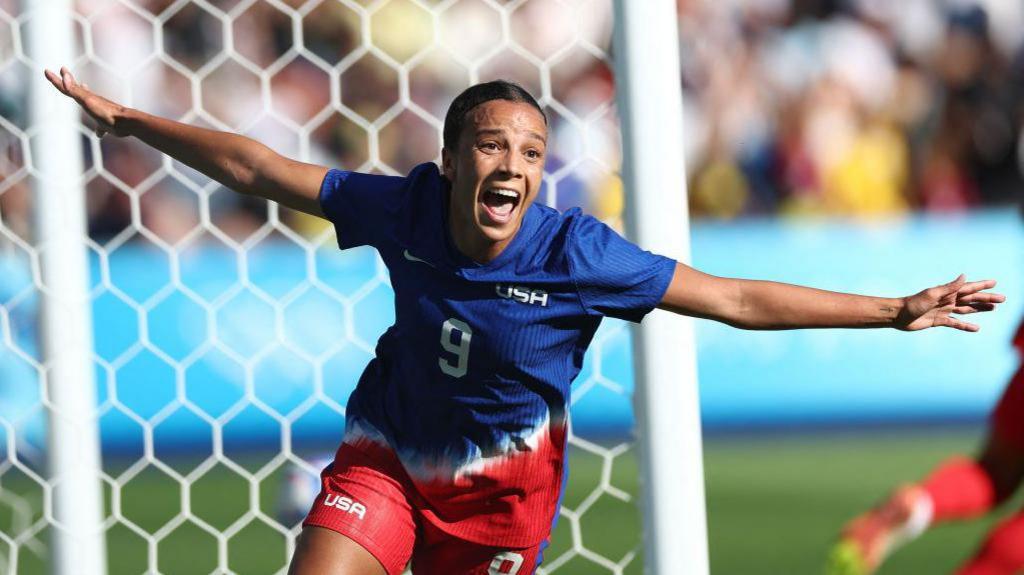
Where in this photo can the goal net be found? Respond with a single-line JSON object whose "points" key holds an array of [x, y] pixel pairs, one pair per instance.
{"points": [[229, 332]]}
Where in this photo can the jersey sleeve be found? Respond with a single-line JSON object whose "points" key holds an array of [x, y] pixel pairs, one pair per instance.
{"points": [[362, 207], [614, 277]]}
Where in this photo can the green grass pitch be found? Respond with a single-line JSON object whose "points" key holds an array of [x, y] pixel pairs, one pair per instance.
{"points": [[774, 505]]}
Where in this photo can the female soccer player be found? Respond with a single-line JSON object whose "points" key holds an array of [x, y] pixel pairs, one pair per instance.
{"points": [[959, 488], [453, 454]]}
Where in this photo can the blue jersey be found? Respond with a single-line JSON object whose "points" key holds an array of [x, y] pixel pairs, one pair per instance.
{"points": [[469, 388]]}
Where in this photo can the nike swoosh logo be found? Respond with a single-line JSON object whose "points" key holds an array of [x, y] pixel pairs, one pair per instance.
{"points": [[413, 258]]}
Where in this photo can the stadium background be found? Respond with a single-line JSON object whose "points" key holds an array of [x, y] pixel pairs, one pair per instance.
{"points": [[848, 145]]}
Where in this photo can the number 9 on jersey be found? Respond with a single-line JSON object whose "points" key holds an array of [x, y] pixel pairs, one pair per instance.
{"points": [[455, 338]]}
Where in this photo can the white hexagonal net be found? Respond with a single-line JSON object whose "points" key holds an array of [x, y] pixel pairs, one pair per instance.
{"points": [[229, 332]]}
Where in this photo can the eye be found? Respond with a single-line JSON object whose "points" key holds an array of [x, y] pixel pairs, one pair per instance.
{"points": [[534, 154], [489, 146]]}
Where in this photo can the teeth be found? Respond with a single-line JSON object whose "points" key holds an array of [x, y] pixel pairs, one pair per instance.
{"points": [[504, 193]]}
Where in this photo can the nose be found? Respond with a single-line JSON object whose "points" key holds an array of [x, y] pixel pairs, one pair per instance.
{"points": [[512, 164]]}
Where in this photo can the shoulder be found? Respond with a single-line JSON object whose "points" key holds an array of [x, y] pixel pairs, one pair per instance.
{"points": [[553, 236], [425, 182], [368, 208], [571, 225], [422, 192], [423, 175], [549, 229], [552, 223], [426, 174], [345, 189], [587, 232]]}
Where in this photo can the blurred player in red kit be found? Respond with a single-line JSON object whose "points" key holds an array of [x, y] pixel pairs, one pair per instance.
{"points": [[959, 488]]}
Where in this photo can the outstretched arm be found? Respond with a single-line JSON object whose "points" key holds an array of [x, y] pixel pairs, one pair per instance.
{"points": [[751, 304], [239, 163]]}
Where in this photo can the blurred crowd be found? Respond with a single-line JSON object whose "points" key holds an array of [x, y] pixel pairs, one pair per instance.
{"points": [[857, 107], [841, 107]]}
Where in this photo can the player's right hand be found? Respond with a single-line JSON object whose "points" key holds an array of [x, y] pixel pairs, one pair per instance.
{"points": [[102, 110]]}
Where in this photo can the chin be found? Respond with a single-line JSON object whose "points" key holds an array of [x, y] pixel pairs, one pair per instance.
{"points": [[497, 234]]}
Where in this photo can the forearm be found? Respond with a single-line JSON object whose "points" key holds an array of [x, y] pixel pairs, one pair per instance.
{"points": [[230, 159], [751, 304], [772, 305]]}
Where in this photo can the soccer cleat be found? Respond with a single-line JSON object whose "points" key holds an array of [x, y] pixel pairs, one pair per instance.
{"points": [[846, 558], [871, 537]]}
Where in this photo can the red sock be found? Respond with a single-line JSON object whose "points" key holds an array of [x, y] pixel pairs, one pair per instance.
{"points": [[959, 489], [1003, 551]]}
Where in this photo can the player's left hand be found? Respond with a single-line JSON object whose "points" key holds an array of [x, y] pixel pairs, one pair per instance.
{"points": [[932, 307]]}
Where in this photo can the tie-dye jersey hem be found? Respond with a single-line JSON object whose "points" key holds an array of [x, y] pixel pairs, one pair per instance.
{"points": [[508, 499]]}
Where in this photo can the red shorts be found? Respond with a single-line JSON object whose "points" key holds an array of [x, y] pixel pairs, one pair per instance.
{"points": [[371, 501]]}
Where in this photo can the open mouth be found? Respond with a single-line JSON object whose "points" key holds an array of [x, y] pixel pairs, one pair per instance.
{"points": [[499, 204]]}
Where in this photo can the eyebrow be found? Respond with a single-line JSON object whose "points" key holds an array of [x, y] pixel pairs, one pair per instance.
{"points": [[499, 131]]}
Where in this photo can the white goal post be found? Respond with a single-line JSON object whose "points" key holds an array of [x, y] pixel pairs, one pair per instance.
{"points": [[666, 397], [73, 451]]}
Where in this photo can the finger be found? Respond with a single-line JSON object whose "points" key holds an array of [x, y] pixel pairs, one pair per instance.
{"points": [[955, 285], [972, 287], [55, 80], [973, 308], [68, 79], [957, 324], [981, 298]]}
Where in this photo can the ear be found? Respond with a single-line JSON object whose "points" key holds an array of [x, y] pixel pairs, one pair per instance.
{"points": [[448, 164]]}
